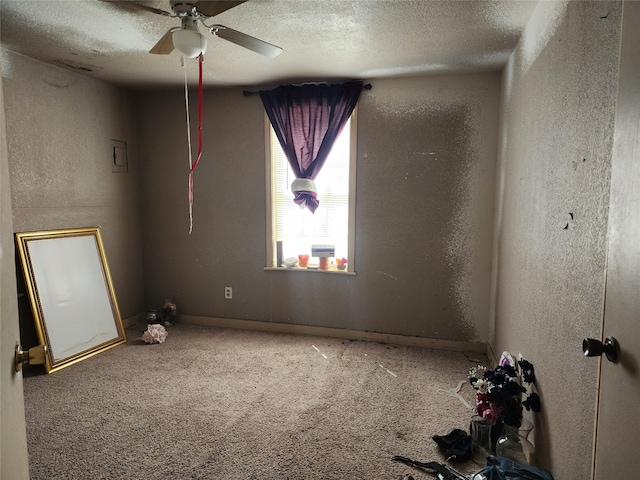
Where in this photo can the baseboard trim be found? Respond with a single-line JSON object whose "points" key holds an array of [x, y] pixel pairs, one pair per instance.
{"points": [[274, 327], [131, 321]]}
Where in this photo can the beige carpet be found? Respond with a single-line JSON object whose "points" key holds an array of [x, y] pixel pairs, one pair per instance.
{"points": [[214, 403]]}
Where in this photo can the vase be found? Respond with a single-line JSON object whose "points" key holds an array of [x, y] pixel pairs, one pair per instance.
{"points": [[153, 316], [480, 439], [515, 445]]}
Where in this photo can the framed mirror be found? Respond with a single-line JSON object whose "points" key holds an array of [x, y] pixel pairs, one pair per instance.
{"points": [[71, 294]]}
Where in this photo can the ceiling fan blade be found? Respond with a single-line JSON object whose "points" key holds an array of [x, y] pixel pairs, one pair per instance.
{"points": [[138, 6], [246, 41], [211, 8], [165, 44]]}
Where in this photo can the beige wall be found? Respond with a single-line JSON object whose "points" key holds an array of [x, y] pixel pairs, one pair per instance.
{"points": [[424, 210], [559, 99], [59, 131], [13, 436], [425, 204]]}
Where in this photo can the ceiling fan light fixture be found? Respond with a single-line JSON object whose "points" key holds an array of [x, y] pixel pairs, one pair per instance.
{"points": [[189, 42]]}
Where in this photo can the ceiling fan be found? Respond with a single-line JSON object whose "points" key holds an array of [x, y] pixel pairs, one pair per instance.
{"points": [[187, 37]]}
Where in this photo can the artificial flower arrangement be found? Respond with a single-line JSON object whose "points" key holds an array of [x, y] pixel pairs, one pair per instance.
{"points": [[341, 263], [499, 392], [155, 333]]}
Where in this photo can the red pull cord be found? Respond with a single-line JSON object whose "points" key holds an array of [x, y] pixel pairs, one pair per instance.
{"points": [[195, 164]]}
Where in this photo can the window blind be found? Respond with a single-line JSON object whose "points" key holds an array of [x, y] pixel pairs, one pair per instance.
{"points": [[297, 227]]}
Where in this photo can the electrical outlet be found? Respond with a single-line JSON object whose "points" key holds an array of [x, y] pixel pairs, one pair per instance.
{"points": [[228, 293]]}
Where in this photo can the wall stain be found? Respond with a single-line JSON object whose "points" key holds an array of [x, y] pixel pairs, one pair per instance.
{"points": [[420, 225]]}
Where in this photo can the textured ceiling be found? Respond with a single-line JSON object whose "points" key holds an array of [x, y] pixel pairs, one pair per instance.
{"points": [[322, 39]]}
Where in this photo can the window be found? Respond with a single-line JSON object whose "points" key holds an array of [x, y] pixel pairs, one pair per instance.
{"points": [[332, 223]]}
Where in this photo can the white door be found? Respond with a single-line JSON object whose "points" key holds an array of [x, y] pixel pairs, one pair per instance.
{"points": [[13, 440], [618, 425]]}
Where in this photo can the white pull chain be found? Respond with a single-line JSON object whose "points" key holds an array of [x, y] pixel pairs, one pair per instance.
{"points": [[186, 100]]}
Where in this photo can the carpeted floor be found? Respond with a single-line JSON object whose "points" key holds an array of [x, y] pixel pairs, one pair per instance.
{"points": [[213, 403]]}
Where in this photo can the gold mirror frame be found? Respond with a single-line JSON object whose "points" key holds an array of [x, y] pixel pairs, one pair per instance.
{"points": [[71, 294]]}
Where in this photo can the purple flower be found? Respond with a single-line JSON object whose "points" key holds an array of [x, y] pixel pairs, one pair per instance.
{"points": [[528, 374], [532, 402]]}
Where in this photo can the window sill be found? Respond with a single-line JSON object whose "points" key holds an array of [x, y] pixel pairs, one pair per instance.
{"points": [[333, 271]]}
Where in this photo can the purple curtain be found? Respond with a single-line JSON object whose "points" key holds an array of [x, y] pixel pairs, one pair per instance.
{"points": [[307, 120]]}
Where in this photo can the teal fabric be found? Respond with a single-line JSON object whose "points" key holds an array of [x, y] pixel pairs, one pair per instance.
{"points": [[499, 468]]}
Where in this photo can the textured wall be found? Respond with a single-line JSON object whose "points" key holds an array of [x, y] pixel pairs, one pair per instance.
{"points": [[425, 192], [13, 439], [424, 210], [59, 131], [559, 98]]}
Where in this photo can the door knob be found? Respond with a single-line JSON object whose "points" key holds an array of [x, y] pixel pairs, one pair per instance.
{"points": [[595, 348], [33, 356]]}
